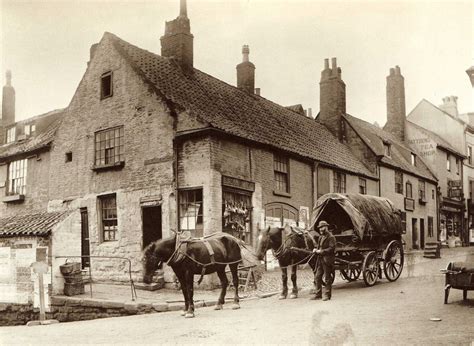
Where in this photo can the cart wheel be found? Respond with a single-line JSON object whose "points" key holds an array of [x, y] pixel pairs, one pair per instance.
{"points": [[393, 260], [331, 278], [350, 274], [370, 268]]}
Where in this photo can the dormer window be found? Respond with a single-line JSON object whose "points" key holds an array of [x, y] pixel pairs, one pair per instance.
{"points": [[413, 159], [106, 89], [30, 129], [387, 149], [11, 134]]}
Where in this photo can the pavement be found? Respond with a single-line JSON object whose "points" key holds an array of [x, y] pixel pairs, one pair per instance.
{"points": [[270, 282], [389, 313]]}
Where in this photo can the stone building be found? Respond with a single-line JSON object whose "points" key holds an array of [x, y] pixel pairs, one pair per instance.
{"points": [[403, 177], [151, 144], [444, 140]]}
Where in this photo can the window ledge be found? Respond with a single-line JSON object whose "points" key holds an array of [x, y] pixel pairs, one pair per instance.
{"points": [[110, 166], [281, 193], [13, 198]]}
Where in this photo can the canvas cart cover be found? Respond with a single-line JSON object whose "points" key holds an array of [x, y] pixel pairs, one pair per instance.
{"points": [[366, 215]]}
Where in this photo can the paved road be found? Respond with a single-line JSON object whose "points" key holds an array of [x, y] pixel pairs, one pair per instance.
{"points": [[388, 313]]}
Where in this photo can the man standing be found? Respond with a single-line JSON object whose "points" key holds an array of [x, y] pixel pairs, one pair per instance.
{"points": [[325, 252]]}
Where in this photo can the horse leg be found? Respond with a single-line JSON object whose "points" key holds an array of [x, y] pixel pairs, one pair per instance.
{"points": [[235, 282], [284, 280], [224, 284], [182, 282], [190, 291], [294, 292]]}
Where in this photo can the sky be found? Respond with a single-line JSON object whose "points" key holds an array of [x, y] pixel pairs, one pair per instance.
{"points": [[46, 46]]}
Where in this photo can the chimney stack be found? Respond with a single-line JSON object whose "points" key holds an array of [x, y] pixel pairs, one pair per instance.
{"points": [[450, 105], [177, 42], [8, 101], [396, 113], [246, 72], [332, 98]]}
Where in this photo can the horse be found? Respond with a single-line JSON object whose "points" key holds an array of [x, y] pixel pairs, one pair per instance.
{"points": [[284, 242], [196, 256]]}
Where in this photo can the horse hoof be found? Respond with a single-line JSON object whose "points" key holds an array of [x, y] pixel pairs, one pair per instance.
{"points": [[235, 306], [282, 296], [218, 307], [293, 296], [189, 315]]}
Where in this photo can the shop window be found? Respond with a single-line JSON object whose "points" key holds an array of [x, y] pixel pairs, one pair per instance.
{"points": [[409, 192], [109, 147], [191, 211], [237, 208], [339, 182], [106, 88], [399, 182], [430, 226], [17, 177], [108, 212], [281, 173], [362, 186]]}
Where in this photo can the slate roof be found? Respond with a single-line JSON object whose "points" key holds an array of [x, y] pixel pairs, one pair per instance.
{"points": [[37, 141], [34, 224], [229, 109], [440, 142], [400, 153]]}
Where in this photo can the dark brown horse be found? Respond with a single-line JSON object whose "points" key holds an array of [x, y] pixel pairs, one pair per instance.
{"points": [[284, 242], [191, 257]]}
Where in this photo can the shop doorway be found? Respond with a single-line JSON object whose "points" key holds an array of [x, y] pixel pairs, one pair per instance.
{"points": [[422, 233], [85, 247], [414, 234], [152, 231]]}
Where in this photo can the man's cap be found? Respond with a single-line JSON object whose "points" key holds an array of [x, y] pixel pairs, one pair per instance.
{"points": [[322, 224]]}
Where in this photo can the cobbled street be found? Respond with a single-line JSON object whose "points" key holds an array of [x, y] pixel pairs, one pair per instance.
{"points": [[388, 313]]}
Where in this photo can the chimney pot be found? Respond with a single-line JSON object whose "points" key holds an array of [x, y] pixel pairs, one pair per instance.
{"points": [[246, 72], [257, 91], [326, 64], [333, 63]]}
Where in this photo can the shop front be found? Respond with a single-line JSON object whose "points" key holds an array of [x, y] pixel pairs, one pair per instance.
{"points": [[452, 227]]}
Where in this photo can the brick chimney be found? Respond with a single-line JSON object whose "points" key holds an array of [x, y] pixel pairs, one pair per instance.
{"points": [[332, 98], [177, 42], [450, 105], [8, 101], [246, 72], [396, 113]]}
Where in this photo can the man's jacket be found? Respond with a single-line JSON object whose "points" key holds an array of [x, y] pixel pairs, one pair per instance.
{"points": [[327, 245]]}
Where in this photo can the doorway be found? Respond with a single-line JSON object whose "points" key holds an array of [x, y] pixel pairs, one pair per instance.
{"points": [[151, 217], [422, 233], [414, 234], [85, 247]]}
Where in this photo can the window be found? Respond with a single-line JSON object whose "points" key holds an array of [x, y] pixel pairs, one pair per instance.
{"points": [[457, 166], [68, 156], [404, 222], [339, 182], [108, 212], [30, 129], [430, 226], [413, 159], [409, 190], [362, 186], [109, 147], [387, 150], [399, 182], [281, 172], [448, 162], [190, 211], [106, 89], [236, 212], [343, 135], [11, 134], [432, 194], [17, 177], [421, 190], [469, 154]]}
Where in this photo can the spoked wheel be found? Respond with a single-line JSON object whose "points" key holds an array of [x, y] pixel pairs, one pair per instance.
{"points": [[331, 278], [393, 260], [370, 268], [350, 274]]}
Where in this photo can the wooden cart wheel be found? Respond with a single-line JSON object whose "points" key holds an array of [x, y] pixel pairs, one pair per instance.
{"points": [[350, 274], [393, 260], [370, 268]]}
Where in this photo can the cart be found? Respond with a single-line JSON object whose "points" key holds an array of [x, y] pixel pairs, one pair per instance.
{"points": [[459, 275], [368, 232]]}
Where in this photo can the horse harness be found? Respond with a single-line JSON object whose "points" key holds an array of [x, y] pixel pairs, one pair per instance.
{"points": [[284, 249]]}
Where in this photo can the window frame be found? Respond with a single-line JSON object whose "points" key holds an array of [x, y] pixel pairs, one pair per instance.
{"points": [[198, 214], [339, 182], [399, 183], [413, 159], [408, 188], [422, 190], [106, 75], [10, 135], [362, 186], [17, 172], [102, 147], [469, 153], [281, 173], [105, 218]]}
